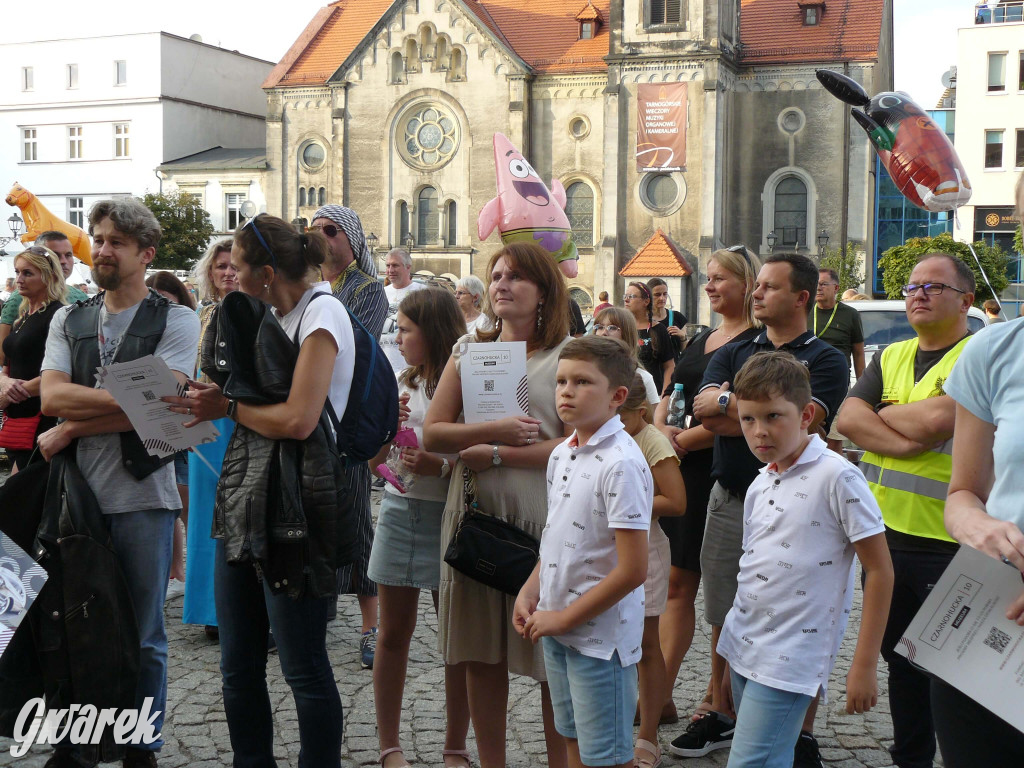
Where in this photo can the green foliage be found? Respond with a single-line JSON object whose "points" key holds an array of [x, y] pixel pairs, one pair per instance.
{"points": [[186, 229], [846, 262], [898, 262], [1018, 246]]}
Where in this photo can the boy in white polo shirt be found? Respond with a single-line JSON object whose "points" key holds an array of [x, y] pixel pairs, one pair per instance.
{"points": [[586, 595], [805, 515]]}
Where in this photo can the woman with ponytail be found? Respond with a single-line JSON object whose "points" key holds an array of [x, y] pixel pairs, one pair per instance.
{"points": [[656, 353]]}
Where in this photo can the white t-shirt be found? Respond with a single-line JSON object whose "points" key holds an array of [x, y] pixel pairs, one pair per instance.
{"points": [[426, 487], [479, 323], [389, 336], [653, 395], [592, 490], [331, 316], [795, 586]]}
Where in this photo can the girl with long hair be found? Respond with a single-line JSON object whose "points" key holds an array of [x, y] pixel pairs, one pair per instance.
{"points": [[656, 353]]}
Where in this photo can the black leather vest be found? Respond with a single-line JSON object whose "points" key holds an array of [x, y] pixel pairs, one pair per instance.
{"points": [[141, 339]]}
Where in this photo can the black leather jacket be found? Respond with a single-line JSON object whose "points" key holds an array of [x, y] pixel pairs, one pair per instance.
{"points": [[282, 504]]}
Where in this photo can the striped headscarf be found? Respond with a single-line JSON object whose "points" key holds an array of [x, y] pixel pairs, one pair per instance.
{"points": [[350, 224]]}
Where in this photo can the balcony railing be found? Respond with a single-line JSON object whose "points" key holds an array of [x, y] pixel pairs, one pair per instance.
{"points": [[1004, 13]]}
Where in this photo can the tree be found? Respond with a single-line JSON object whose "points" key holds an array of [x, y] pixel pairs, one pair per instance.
{"points": [[186, 229], [847, 264], [898, 262]]}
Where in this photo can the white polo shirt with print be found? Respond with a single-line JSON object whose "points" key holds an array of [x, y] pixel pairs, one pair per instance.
{"points": [[592, 490], [795, 587]]}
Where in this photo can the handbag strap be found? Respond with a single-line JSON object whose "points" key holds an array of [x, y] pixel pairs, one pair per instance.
{"points": [[468, 489]]}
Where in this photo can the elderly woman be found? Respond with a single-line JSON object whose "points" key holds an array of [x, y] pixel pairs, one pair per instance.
{"points": [[508, 458], [470, 294], [215, 277], [40, 282]]}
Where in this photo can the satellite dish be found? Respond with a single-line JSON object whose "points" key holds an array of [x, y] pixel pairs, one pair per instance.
{"points": [[248, 209], [949, 78], [196, 38]]}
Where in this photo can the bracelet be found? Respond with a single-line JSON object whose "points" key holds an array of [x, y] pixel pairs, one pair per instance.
{"points": [[232, 409]]}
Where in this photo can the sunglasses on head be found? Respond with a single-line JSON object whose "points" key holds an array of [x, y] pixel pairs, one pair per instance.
{"points": [[252, 223], [742, 251], [328, 229]]}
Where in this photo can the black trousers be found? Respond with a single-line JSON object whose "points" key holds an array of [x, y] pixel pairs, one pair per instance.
{"points": [[969, 735]]}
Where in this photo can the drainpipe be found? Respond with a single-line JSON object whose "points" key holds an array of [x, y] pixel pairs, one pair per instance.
{"points": [[161, 179]]}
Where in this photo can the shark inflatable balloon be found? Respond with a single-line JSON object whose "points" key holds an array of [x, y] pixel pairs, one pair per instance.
{"points": [[917, 153], [525, 210]]}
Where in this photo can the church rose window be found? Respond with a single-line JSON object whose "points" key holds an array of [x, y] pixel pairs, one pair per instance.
{"points": [[428, 137]]}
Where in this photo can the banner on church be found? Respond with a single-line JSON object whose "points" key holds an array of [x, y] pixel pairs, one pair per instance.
{"points": [[660, 127]]}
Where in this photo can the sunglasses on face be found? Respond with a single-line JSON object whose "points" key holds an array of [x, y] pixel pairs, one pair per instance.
{"points": [[328, 229]]}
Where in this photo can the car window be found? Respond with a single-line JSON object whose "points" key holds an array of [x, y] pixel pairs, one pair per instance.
{"points": [[884, 328], [974, 324]]}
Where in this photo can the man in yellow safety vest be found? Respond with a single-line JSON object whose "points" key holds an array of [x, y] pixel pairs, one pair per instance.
{"points": [[899, 413]]}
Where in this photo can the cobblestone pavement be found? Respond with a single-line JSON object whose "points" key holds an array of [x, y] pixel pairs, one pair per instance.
{"points": [[196, 732]]}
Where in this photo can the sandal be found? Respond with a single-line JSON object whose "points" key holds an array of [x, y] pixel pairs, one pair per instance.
{"points": [[386, 752], [463, 753], [703, 708], [653, 750]]}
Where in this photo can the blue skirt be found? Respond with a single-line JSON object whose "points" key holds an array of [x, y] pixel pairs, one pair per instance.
{"points": [[201, 548]]}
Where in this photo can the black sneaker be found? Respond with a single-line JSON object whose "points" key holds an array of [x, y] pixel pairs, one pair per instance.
{"points": [[711, 732], [62, 758], [139, 758], [805, 754]]}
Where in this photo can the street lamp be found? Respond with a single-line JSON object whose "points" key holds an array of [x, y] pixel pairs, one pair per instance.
{"points": [[772, 239], [15, 223], [372, 240], [822, 240]]}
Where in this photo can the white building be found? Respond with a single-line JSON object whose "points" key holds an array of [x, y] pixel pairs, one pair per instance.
{"points": [[84, 119]]}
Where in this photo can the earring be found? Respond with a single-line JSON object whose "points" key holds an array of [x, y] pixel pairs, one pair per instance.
{"points": [[540, 316]]}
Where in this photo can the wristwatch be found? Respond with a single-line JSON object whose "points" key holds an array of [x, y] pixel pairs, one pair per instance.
{"points": [[232, 409], [723, 402], [495, 458], [445, 467]]}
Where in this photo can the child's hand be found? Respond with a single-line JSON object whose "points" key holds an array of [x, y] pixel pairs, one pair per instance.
{"points": [[544, 624], [404, 411], [421, 462], [522, 611], [861, 690]]}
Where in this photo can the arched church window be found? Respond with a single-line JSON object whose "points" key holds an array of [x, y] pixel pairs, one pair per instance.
{"points": [[790, 219], [428, 136], [579, 207], [441, 53], [397, 68], [426, 43], [457, 68], [311, 196], [302, 196], [403, 222], [412, 55], [427, 219], [451, 221], [321, 197]]}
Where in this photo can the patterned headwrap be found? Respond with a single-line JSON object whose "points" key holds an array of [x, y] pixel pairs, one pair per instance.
{"points": [[350, 224]]}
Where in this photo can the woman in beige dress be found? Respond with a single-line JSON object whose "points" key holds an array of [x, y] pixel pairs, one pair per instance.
{"points": [[528, 300]]}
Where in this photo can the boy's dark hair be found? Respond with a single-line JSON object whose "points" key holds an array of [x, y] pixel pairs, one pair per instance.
{"points": [[831, 273], [991, 305], [612, 357], [964, 275], [773, 374], [803, 274]]}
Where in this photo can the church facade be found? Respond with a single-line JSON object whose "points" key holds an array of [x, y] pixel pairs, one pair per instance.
{"points": [[701, 118]]}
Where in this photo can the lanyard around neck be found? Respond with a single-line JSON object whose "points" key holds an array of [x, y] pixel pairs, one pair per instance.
{"points": [[830, 319]]}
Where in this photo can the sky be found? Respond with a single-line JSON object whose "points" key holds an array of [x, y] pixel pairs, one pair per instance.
{"points": [[924, 30]]}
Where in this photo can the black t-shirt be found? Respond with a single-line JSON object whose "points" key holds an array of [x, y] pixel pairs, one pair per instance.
{"points": [[24, 348], [735, 467], [678, 320], [576, 324], [842, 330], [655, 350]]}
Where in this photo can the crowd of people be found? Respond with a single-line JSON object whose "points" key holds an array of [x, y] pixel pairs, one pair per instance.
{"points": [[747, 490]]}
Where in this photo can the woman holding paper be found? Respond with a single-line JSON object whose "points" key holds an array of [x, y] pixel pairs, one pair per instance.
{"points": [[527, 299], [984, 510]]}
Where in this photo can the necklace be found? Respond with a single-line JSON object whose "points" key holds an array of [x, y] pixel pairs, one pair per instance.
{"points": [[729, 336]]}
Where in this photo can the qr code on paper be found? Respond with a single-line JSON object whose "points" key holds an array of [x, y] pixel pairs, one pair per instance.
{"points": [[488, 385], [997, 640], [148, 394]]}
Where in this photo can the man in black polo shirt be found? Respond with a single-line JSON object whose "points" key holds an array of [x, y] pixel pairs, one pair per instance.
{"points": [[785, 287]]}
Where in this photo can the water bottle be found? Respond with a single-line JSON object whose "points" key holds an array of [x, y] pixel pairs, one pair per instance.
{"points": [[677, 408]]}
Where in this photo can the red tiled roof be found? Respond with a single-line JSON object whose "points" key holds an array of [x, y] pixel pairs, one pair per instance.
{"points": [[772, 31], [658, 257], [589, 13]]}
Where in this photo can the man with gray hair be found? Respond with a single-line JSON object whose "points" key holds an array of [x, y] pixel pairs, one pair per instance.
{"points": [[136, 492], [398, 267]]}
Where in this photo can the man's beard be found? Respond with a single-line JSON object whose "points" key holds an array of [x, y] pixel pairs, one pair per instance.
{"points": [[108, 281]]}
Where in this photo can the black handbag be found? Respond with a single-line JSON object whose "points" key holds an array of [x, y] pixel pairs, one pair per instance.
{"points": [[489, 550]]}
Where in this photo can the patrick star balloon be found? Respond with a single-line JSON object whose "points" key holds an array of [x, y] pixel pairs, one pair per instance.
{"points": [[525, 211]]}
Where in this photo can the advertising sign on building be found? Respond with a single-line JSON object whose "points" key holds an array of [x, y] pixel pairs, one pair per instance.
{"points": [[661, 127], [995, 218]]}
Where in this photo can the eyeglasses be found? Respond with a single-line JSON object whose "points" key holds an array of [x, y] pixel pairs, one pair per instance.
{"points": [[930, 289], [462, 293], [252, 223], [826, 284], [630, 296], [328, 229], [600, 327]]}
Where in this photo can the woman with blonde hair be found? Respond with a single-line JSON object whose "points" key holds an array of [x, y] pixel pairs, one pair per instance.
{"points": [[472, 298], [40, 282], [507, 459], [214, 276], [731, 276]]}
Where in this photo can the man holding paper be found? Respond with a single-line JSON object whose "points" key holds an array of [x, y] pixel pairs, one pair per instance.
{"points": [[136, 492]]}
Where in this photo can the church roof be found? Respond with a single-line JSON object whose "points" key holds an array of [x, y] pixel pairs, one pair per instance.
{"points": [[658, 257], [773, 31], [589, 13]]}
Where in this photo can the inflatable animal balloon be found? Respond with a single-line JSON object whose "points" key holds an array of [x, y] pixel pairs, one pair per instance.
{"points": [[39, 219], [917, 153], [525, 210]]}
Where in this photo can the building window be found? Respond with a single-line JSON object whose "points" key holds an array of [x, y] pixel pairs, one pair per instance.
{"points": [[122, 140], [1019, 161], [120, 72], [302, 197], [28, 137], [321, 197], [74, 142], [579, 207], [72, 75], [996, 72], [662, 193], [993, 149], [664, 12], [812, 15], [403, 222], [451, 220], [427, 219], [233, 210], [457, 70], [76, 212], [28, 79], [587, 30], [428, 137], [791, 212], [312, 155], [397, 68], [1020, 72]]}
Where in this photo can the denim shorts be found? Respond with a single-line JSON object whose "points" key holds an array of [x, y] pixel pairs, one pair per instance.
{"points": [[407, 543], [181, 468], [594, 702]]}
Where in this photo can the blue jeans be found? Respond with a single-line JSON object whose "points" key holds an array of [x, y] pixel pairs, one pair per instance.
{"points": [[142, 541], [768, 724], [246, 611]]}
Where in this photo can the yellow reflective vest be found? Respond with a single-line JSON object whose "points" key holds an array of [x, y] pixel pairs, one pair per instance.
{"points": [[911, 492]]}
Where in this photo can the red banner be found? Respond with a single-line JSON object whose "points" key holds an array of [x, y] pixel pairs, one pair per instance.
{"points": [[660, 127]]}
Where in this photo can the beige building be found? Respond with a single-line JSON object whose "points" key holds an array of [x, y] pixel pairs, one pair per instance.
{"points": [[390, 108]]}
